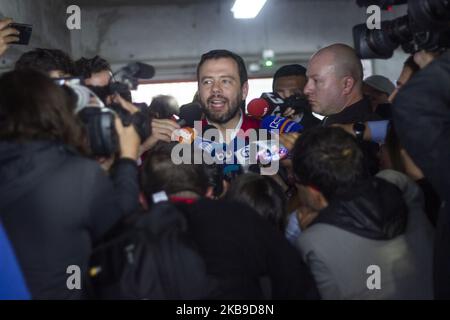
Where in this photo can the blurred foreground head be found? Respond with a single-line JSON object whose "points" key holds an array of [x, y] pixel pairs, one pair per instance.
{"points": [[33, 107]]}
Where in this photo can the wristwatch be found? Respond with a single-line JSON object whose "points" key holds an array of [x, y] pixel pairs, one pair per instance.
{"points": [[358, 129]]}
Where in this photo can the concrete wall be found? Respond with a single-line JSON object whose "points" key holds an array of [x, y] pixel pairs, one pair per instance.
{"points": [[172, 37], [48, 18]]}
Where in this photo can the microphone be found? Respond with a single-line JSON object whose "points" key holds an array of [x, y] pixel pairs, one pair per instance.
{"points": [[189, 113], [207, 142], [184, 135], [139, 70], [258, 108], [271, 151], [269, 103], [284, 125]]}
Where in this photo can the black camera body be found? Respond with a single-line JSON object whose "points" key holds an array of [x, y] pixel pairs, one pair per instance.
{"points": [[297, 102], [100, 130], [99, 122], [425, 27]]}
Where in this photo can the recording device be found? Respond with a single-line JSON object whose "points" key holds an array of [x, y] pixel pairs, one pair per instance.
{"points": [[25, 33], [425, 27], [101, 131], [297, 102], [259, 108], [270, 151], [284, 125], [215, 174], [99, 121], [273, 104], [125, 80], [189, 114]]}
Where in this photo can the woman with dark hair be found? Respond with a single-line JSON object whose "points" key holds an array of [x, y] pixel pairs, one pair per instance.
{"points": [[54, 203], [263, 195]]}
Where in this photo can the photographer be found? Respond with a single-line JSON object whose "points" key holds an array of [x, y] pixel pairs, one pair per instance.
{"points": [[55, 203], [96, 71], [53, 62], [421, 113], [98, 77]]}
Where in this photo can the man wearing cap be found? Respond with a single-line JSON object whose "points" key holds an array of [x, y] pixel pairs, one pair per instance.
{"points": [[378, 89]]}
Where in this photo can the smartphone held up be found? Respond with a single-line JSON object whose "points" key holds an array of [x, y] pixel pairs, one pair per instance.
{"points": [[25, 33]]}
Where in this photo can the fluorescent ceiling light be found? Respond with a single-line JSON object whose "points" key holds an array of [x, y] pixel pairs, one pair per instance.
{"points": [[247, 9]]}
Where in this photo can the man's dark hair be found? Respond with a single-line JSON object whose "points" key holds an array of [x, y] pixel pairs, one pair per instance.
{"points": [[330, 160], [262, 194], [218, 54], [86, 67], [289, 71], [33, 107], [46, 60], [160, 173]]}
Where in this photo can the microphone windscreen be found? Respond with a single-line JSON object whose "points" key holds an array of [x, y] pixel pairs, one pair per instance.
{"points": [[142, 70], [184, 135], [258, 108], [189, 113]]}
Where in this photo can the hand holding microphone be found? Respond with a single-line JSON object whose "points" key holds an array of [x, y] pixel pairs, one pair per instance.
{"points": [[189, 114], [162, 130], [268, 104], [273, 104]]}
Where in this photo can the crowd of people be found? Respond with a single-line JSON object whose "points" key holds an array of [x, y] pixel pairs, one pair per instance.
{"points": [[365, 187]]}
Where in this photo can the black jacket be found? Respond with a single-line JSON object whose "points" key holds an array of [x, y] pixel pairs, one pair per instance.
{"points": [[375, 209], [53, 205], [359, 111], [421, 113], [237, 243], [309, 120]]}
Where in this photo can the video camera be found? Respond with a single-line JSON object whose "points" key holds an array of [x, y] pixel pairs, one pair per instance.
{"points": [[297, 102], [98, 118], [425, 27], [271, 103]]}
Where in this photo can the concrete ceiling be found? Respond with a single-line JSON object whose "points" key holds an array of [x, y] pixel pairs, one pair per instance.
{"points": [[118, 3]]}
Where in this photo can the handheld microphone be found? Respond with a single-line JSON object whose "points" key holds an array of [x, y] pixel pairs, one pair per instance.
{"points": [[138, 70], [271, 151], [189, 113], [184, 135], [258, 108], [268, 104], [284, 125]]}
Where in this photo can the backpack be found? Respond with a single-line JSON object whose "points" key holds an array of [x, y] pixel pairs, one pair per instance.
{"points": [[149, 256]]}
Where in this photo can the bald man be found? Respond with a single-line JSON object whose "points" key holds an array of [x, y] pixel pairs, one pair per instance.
{"points": [[334, 87]]}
